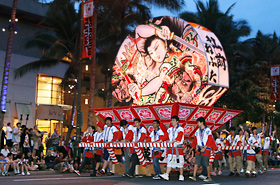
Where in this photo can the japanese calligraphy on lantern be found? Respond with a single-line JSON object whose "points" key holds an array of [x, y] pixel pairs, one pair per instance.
{"points": [[216, 59]]}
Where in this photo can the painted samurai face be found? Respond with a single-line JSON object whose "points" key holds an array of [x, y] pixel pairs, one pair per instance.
{"points": [[157, 50], [183, 84]]}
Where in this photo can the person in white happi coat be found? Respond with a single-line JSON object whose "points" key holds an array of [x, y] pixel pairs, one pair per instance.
{"points": [[258, 137], [126, 135], [250, 154], [175, 157], [266, 145], [234, 155], [157, 136], [110, 134], [139, 135], [203, 143]]}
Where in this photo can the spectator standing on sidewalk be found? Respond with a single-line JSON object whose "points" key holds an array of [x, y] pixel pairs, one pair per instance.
{"points": [[55, 139], [36, 139], [16, 133], [9, 136]]}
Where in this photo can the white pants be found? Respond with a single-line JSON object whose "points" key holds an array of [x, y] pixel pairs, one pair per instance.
{"points": [[172, 161]]}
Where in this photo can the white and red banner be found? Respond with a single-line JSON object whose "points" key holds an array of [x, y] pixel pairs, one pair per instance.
{"points": [[275, 82], [87, 28]]}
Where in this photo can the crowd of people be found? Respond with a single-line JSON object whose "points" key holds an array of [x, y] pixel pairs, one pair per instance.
{"points": [[203, 151], [23, 151]]}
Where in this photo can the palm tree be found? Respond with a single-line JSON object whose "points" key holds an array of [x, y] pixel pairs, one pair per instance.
{"points": [[60, 43], [250, 77], [221, 23], [5, 79]]}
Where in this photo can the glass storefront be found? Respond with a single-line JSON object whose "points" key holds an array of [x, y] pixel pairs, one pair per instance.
{"points": [[48, 126], [49, 92]]}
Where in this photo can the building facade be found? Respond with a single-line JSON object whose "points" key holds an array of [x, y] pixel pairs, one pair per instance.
{"points": [[37, 97]]}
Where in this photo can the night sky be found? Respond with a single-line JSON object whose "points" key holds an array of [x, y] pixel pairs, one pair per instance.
{"points": [[263, 15]]}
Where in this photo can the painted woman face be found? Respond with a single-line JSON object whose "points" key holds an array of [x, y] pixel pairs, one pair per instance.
{"points": [[157, 50]]}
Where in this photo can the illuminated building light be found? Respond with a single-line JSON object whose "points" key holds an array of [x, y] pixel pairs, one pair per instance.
{"points": [[86, 101], [86, 67]]}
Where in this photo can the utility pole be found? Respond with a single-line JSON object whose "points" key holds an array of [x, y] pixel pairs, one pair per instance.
{"points": [[93, 63], [7, 65], [79, 83]]}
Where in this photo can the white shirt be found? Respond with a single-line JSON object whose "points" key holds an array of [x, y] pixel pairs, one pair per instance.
{"points": [[5, 152], [242, 139], [26, 139], [258, 138], [219, 142], [16, 138], [266, 142], [108, 133], [98, 136], [202, 136], [251, 141], [137, 135], [234, 141], [125, 130], [9, 131], [155, 135], [173, 133]]}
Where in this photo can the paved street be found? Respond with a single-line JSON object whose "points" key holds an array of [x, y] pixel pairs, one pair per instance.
{"points": [[272, 177]]}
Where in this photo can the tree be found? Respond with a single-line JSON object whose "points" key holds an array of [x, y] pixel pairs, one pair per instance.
{"points": [[221, 23], [60, 43], [5, 79], [250, 77]]}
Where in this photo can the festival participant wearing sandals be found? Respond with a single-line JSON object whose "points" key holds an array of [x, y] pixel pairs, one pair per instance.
{"points": [[156, 136], [175, 154], [126, 135], [139, 135], [250, 154], [234, 155], [265, 150], [110, 135], [203, 143]]}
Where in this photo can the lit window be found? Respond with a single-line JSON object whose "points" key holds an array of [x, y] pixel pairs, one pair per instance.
{"points": [[86, 67], [86, 101], [49, 90]]}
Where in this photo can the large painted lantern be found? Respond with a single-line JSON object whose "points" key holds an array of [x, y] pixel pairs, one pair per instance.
{"points": [[170, 60]]}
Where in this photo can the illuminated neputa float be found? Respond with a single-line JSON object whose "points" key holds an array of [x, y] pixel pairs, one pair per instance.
{"points": [[169, 60]]}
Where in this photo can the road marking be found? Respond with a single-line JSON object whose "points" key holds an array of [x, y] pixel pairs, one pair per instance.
{"points": [[75, 178]]}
